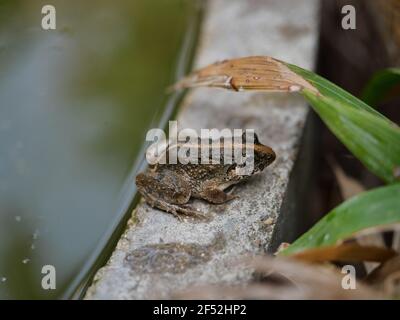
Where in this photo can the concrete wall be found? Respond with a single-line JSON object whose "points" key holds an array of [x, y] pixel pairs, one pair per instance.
{"points": [[158, 254]]}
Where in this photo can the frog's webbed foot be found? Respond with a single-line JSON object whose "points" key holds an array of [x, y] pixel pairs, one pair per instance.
{"points": [[217, 196]]}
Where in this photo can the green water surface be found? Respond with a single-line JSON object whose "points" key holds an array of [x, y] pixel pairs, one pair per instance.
{"points": [[75, 105]]}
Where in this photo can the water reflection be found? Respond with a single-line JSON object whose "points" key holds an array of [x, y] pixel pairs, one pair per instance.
{"points": [[75, 104]]}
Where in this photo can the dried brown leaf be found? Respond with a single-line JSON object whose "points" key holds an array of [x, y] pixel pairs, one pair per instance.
{"points": [[396, 241], [387, 268], [260, 73], [387, 277], [307, 281], [348, 252]]}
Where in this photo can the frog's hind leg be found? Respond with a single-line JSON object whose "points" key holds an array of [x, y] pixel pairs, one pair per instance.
{"points": [[168, 192], [177, 210], [216, 196]]}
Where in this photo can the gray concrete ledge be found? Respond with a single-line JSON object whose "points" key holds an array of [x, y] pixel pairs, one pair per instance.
{"points": [[158, 254]]}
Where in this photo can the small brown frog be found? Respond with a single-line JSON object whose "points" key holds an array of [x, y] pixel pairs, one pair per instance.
{"points": [[170, 186]]}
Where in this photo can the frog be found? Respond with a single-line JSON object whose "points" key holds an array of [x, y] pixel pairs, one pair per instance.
{"points": [[170, 187]]}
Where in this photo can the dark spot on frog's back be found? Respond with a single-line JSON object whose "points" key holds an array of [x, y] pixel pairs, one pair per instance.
{"points": [[172, 257]]}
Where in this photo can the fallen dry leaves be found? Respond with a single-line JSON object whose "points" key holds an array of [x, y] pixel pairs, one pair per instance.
{"points": [[297, 280]]}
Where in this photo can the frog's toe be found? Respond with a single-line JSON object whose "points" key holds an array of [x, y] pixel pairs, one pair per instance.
{"points": [[193, 212]]}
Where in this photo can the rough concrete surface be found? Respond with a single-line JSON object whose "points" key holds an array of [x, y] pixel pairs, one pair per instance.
{"points": [[159, 254]]}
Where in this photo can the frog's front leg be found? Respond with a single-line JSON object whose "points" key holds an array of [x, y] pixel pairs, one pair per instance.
{"points": [[166, 191]]}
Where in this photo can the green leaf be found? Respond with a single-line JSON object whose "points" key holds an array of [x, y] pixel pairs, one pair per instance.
{"points": [[370, 136], [380, 84], [329, 89], [374, 141], [378, 207]]}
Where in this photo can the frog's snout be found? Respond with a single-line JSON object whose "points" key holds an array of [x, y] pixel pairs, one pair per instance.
{"points": [[271, 155], [268, 155]]}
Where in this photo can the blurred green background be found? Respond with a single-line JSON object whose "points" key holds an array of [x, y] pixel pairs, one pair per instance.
{"points": [[75, 105]]}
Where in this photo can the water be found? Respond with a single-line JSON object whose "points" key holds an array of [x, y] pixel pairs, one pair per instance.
{"points": [[75, 105]]}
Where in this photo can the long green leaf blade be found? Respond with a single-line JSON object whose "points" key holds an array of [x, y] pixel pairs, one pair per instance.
{"points": [[370, 136], [329, 89], [378, 207], [373, 140]]}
